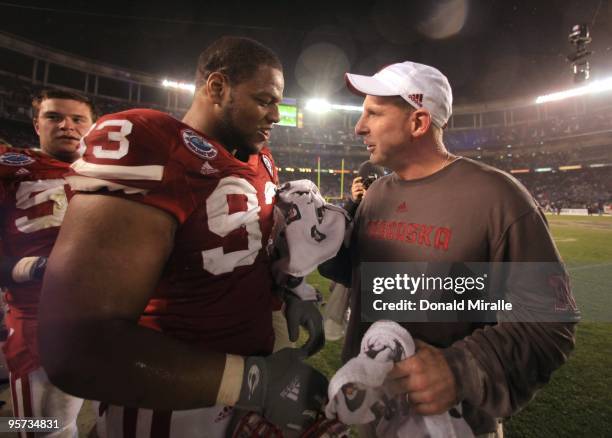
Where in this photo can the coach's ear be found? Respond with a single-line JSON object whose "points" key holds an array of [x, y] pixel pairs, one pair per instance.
{"points": [[420, 122], [217, 86]]}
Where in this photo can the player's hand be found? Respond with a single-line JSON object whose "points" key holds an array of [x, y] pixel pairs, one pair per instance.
{"points": [[306, 314], [426, 379], [357, 189], [285, 390], [28, 269]]}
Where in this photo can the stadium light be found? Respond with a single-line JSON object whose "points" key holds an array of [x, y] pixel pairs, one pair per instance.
{"points": [[179, 85], [322, 106], [592, 88], [353, 108], [318, 106]]}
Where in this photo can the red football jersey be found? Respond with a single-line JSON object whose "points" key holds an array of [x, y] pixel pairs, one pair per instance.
{"points": [[216, 287], [33, 203]]}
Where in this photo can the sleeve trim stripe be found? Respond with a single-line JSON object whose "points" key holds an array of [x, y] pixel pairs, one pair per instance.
{"points": [[87, 184], [112, 171]]}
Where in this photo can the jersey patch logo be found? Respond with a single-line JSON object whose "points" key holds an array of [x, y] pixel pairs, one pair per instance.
{"points": [[16, 159], [268, 164], [196, 144], [22, 172]]}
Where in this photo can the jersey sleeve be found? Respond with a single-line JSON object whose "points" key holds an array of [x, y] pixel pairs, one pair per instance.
{"points": [[12, 160], [129, 155]]}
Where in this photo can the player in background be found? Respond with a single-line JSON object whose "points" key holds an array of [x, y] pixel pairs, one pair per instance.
{"points": [[157, 297], [33, 203]]}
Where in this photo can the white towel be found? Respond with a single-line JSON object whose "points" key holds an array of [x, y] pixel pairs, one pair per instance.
{"points": [[313, 229], [357, 394]]}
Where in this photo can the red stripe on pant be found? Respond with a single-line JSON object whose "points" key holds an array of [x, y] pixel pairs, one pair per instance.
{"points": [[26, 396], [160, 424], [16, 412], [27, 400], [130, 417]]}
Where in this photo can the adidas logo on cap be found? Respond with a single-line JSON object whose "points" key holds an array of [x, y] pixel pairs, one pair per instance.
{"points": [[417, 99]]}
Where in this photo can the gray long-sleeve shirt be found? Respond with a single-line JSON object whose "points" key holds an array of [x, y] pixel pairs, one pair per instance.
{"points": [[467, 212]]}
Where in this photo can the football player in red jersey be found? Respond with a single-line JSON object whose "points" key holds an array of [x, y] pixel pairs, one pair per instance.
{"points": [[157, 297], [33, 203]]}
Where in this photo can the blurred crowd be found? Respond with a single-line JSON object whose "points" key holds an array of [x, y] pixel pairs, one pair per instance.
{"points": [[519, 147], [588, 188]]}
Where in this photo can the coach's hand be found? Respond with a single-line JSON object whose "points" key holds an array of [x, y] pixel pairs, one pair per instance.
{"points": [[286, 391], [426, 379], [306, 314]]}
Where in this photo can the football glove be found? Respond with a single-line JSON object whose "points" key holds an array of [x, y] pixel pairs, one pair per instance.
{"points": [[304, 313], [283, 389]]}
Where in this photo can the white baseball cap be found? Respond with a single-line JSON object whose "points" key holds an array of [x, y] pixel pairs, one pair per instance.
{"points": [[420, 85]]}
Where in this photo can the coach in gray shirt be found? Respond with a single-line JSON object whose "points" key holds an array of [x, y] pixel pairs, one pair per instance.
{"points": [[438, 207]]}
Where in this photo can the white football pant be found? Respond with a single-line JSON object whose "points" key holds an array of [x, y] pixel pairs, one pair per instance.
{"points": [[33, 395]]}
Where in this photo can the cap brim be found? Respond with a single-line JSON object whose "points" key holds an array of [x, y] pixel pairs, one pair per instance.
{"points": [[363, 85]]}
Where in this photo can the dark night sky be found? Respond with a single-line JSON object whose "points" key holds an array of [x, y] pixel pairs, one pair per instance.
{"points": [[489, 49]]}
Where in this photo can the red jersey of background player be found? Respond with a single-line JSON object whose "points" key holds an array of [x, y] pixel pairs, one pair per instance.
{"points": [[33, 203], [216, 286]]}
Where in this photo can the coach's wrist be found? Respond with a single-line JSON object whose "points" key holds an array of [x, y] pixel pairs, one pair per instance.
{"points": [[467, 373], [231, 381]]}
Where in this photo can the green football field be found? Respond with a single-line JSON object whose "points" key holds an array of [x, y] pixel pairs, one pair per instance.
{"points": [[578, 400]]}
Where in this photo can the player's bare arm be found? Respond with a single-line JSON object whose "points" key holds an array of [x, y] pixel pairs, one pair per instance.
{"points": [[86, 317]]}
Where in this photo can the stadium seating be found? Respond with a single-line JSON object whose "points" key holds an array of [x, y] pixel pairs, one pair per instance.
{"points": [[564, 159]]}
